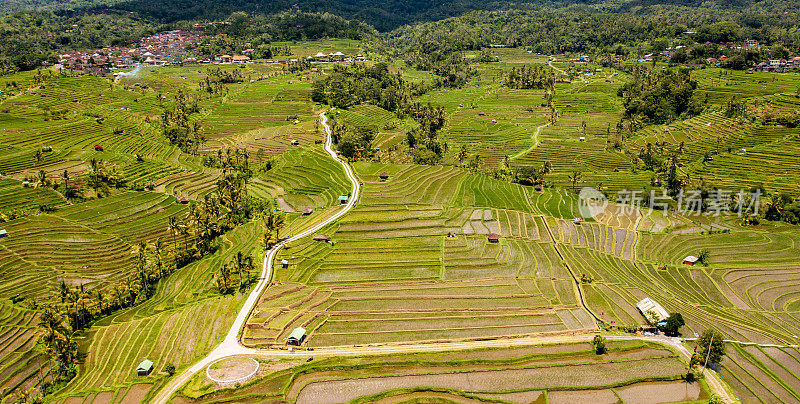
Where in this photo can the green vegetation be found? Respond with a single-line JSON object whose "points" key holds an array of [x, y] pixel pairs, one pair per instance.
{"points": [[138, 207]]}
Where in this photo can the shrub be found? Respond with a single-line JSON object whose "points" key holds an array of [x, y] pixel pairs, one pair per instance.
{"points": [[599, 345]]}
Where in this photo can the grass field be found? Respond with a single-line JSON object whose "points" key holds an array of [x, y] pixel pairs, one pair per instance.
{"points": [[412, 261]]}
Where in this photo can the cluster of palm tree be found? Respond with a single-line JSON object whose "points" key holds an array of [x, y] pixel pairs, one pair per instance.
{"points": [[58, 344], [74, 309], [241, 266], [230, 160], [219, 212], [178, 127], [102, 177], [273, 222]]}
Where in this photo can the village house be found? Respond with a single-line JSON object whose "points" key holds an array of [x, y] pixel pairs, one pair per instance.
{"points": [[240, 59]]}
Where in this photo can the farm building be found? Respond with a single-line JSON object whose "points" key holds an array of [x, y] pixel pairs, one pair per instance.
{"points": [[144, 368], [297, 336], [295, 142], [321, 237], [690, 260], [494, 238], [307, 211], [481, 113], [285, 263], [651, 310], [240, 59], [3, 233], [183, 200], [343, 199], [537, 187], [384, 176]]}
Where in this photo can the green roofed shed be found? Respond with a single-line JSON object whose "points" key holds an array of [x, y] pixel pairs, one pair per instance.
{"points": [[3, 233], [297, 336], [343, 199], [144, 368]]}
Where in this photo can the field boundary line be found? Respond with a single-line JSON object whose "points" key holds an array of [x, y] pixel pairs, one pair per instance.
{"points": [[231, 345]]}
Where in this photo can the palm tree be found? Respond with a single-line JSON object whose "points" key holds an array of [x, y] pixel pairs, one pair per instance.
{"points": [[172, 227], [576, 177], [65, 177], [159, 246], [38, 155], [42, 177]]}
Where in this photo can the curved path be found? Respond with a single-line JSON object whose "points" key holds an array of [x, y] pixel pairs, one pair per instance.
{"points": [[230, 345], [535, 139]]}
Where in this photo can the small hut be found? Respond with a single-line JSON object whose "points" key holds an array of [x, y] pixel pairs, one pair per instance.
{"points": [[321, 237], [98, 147], [297, 336], [307, 211], [481, 113], [295, 142], [690, 260], [284, 263], [343, 200], [144, 368], [384, 176], [3, 233], [183, 200], [494, 238], [538, 187]]}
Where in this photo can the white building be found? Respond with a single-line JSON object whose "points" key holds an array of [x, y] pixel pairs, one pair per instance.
{"points": [[651, 310]]}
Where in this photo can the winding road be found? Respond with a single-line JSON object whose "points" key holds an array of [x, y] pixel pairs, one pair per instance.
{"points": [[230, 345]]}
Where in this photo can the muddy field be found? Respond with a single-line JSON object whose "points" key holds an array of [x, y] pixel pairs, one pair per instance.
{"points": [[496, 381]]}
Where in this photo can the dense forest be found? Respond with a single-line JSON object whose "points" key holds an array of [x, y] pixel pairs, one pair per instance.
{"points": [[622, 30]]}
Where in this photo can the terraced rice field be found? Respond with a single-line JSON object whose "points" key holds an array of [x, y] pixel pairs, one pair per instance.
{"points": [[516, 375], [423, 233], [763, 374]]}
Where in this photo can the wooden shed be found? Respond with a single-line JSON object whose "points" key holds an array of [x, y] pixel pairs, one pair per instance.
{"points": [[384, 176], [690, 260], [343, 200], [144, 368], [307, 211], [494, 238], [297, 336], [3, 233], [183, 200]]}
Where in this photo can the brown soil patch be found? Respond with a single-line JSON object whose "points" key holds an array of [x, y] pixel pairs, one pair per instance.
{"points": [[136, 394], [582, 396], [654, 393], [231, 369]]}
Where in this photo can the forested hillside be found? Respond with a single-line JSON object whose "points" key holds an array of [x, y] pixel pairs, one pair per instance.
{"points": [[383, 15]]}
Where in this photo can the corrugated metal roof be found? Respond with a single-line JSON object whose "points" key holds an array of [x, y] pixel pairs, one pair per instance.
{"points": [[647, 306], [145, 366], [297, 334]]}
